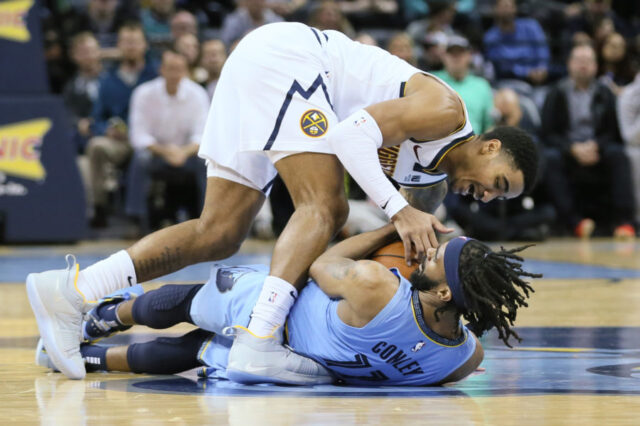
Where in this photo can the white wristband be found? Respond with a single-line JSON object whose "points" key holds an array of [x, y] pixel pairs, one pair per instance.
{"points": [[394, 205], [355, 141]]}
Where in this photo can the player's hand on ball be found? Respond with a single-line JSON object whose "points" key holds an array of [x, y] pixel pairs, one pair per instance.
{"points": [[418, 231]]}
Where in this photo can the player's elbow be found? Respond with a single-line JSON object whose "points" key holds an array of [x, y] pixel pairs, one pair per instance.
{"points": [[316, 268]]}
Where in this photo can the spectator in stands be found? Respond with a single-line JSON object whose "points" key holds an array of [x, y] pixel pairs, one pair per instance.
{"points": [[103, 18], [475, 91], [189, 46], [110, 146], [326, 15], [214, 56], [370, 13], [588, 15], [291, 10], [629, 119], [431, 34], [401, 45], [441, 15], [615, 68], [515, 110], [156, 23], [183, 22], [100, 17], [167, 117], [81, 91], [517, 47], [249, 15], [579, 124], [366, 38]]}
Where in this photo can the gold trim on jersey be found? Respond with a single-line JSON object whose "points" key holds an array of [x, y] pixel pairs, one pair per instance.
{"points": [[388, 158], [415, 318]]}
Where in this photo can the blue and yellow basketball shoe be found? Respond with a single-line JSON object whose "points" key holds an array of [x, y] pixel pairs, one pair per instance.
{"points": [[102, 321]]}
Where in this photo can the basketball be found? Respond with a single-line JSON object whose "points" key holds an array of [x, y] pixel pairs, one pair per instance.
{"points": [[392, 256]]}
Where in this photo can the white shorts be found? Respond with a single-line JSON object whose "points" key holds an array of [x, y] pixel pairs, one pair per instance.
{"points": [[259, 174], [282, 89]]}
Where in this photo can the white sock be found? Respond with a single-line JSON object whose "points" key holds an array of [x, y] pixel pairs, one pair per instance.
{"points": [[108, 275], [275, 301]]}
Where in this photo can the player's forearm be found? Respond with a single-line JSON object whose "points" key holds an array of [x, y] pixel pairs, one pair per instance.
{"points": [[362, 245], [355, 142]]}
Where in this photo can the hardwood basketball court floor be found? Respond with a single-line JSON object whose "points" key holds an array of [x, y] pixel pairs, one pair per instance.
{"points": [[579, 361]]}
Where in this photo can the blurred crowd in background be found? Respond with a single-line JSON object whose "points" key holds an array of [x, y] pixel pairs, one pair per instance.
{"points": [[137, 78]]}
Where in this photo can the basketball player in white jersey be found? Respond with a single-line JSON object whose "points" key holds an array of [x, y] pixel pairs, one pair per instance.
{"points": [[305, 104]]}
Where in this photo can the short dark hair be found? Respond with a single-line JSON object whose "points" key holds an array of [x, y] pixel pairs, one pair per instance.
{"points": [[172, 50], [132, 26], [519, 145], [492, 285]]}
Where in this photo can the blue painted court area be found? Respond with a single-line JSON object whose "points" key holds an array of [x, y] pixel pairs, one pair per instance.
{"points": [[562, 360], [14, 268]]}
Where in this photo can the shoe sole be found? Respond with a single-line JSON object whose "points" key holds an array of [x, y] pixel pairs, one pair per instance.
{"points": [[47, 331], [252, 379]]}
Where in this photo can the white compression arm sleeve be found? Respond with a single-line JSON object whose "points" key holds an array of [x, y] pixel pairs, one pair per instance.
{"points": [[355, 141]]}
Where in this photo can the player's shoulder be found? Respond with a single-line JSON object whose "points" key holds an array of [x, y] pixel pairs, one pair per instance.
{"points": [[373, 275], [441, 102]]}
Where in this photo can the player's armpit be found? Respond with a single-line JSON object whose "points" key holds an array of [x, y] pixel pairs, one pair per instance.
{"points": [[426, 199]]}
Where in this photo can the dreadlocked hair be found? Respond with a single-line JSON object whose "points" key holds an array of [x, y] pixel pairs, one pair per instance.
{"points": [[493, 288]]}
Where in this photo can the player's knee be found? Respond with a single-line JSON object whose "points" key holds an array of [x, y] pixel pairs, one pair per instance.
{"points": [[219, 239], [333, 211]]}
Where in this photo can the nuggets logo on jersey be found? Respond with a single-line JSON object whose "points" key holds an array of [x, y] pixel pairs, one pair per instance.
{"points": [[12, 20], [314, 123]]}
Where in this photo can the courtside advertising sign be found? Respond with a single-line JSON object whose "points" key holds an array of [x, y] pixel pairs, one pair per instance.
{"points": [[13, 20], [20, 148]]}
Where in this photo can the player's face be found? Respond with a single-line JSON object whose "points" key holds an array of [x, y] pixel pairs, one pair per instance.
{"points": [[488, 175], [433, 264]]}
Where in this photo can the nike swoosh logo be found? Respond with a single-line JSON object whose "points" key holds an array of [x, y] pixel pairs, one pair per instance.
{"points": [[384, 206], [293, 295], [130, 279], [249, 368], [415, 151]]}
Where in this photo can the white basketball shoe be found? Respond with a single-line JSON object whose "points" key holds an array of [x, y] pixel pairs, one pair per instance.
{"points": [[58, 308], [255, 359]]}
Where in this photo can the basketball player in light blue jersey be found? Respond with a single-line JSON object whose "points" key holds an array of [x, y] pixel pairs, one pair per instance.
{"points": [[365, 324]]}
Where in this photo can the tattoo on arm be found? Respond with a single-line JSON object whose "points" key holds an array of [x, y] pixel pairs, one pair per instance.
{"points": [[426, 199], [170, 260]]}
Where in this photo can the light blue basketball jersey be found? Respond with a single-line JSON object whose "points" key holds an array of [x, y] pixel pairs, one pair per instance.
{"points": [[395, 348]]}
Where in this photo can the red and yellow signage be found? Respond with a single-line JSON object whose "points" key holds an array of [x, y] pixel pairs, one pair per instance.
{"points": [[20, 148], [13, 22]]}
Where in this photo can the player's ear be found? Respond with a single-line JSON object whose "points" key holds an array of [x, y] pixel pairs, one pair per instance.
{"points": [[492, 146], [443, 292]]}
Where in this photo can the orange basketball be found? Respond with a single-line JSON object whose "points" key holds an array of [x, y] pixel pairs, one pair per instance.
{"points": [[392, 256]]}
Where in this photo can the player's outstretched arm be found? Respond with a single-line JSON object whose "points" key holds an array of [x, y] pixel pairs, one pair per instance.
{"points": [[430, 111], [364, 285]]}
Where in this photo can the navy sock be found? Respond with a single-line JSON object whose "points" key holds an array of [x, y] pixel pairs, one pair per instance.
{"points": [[167, 306], [95, 357]]}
